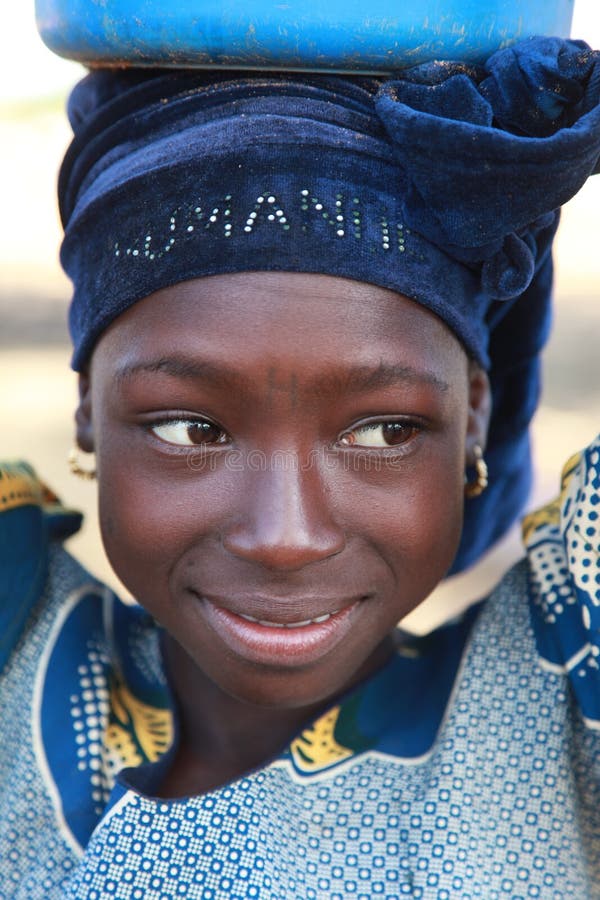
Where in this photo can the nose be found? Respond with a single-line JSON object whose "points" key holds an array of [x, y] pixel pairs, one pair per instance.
{"points": [[286, 522]]}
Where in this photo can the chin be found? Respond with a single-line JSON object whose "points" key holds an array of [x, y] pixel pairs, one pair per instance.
{"points": [[280, 691]]}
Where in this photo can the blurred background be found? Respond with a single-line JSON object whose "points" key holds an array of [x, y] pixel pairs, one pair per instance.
{"points": [[37, 388]]}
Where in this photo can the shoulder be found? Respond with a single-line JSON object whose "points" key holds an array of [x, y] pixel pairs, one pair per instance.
{"points": [[33, 524]]}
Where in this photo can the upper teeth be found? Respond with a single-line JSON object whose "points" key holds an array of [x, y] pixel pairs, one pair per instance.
{"points": [[268, 624]]}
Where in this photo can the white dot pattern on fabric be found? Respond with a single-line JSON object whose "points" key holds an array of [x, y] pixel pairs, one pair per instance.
{"points": [[581, 529], [89, 710], [564, 550], [490, 813], [36, 858]]}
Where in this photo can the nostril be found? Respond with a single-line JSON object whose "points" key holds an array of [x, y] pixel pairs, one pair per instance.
{"points": [[283, 553]]}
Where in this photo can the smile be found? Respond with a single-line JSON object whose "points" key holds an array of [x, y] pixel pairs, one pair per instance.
{"points": [[266, 624], [276, 643]]}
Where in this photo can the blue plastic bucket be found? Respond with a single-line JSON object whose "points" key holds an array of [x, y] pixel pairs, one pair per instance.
{"points": [[331, 35]]}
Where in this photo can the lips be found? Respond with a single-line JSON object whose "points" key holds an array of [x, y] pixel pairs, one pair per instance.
{"points": [[275, 642]]}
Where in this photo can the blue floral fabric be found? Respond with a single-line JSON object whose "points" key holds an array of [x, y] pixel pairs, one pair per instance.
{"points": [[563, 543], [468, 767]]}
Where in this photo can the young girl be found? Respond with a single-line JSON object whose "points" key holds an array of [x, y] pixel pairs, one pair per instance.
{"points": [[305, 308]]}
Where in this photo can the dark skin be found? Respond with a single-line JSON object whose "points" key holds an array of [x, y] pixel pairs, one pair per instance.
{"points": [[287, 447]]}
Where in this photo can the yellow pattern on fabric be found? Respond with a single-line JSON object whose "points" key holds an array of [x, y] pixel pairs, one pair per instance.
{"points": [[19, 487], [568, 471], [546, 515], [316, 748], [137, 732], [550, 513]]}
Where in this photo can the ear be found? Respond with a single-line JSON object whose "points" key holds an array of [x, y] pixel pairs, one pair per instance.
{"points": [[480, 408], [84, 431]]}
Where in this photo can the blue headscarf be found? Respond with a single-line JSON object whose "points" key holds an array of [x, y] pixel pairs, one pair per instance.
{"points": [[442, 184]]}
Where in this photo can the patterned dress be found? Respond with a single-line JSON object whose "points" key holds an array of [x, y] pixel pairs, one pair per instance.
{"points": [[468, 767]]}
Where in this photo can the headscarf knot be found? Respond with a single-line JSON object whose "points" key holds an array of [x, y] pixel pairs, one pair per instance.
{"points": [[488, 152]]}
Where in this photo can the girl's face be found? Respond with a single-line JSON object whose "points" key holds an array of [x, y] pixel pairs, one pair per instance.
{"points": [[281, 465]]}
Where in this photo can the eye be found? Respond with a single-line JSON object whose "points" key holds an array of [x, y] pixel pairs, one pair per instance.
{"points": [[189, 432], [380, 434]]}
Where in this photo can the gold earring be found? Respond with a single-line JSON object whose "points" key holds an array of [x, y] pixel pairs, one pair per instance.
{"points": [[76, 469], [477, 487]]}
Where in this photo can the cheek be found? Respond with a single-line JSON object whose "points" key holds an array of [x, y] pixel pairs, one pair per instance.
{"points": [[413, 516], [150, 515], [131, 532]]}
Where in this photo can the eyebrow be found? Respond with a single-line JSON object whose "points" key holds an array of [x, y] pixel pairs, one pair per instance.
{"points": [[357, 380], [180, 367], [364, 378]]}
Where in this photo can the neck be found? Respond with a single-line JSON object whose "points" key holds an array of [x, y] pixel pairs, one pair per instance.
{"points": [[222, 737]]}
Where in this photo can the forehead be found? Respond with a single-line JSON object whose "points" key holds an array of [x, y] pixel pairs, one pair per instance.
{"points": [[308, 322]]}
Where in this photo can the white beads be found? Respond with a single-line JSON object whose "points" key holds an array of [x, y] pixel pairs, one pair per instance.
{"points": [[224, 219]]}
